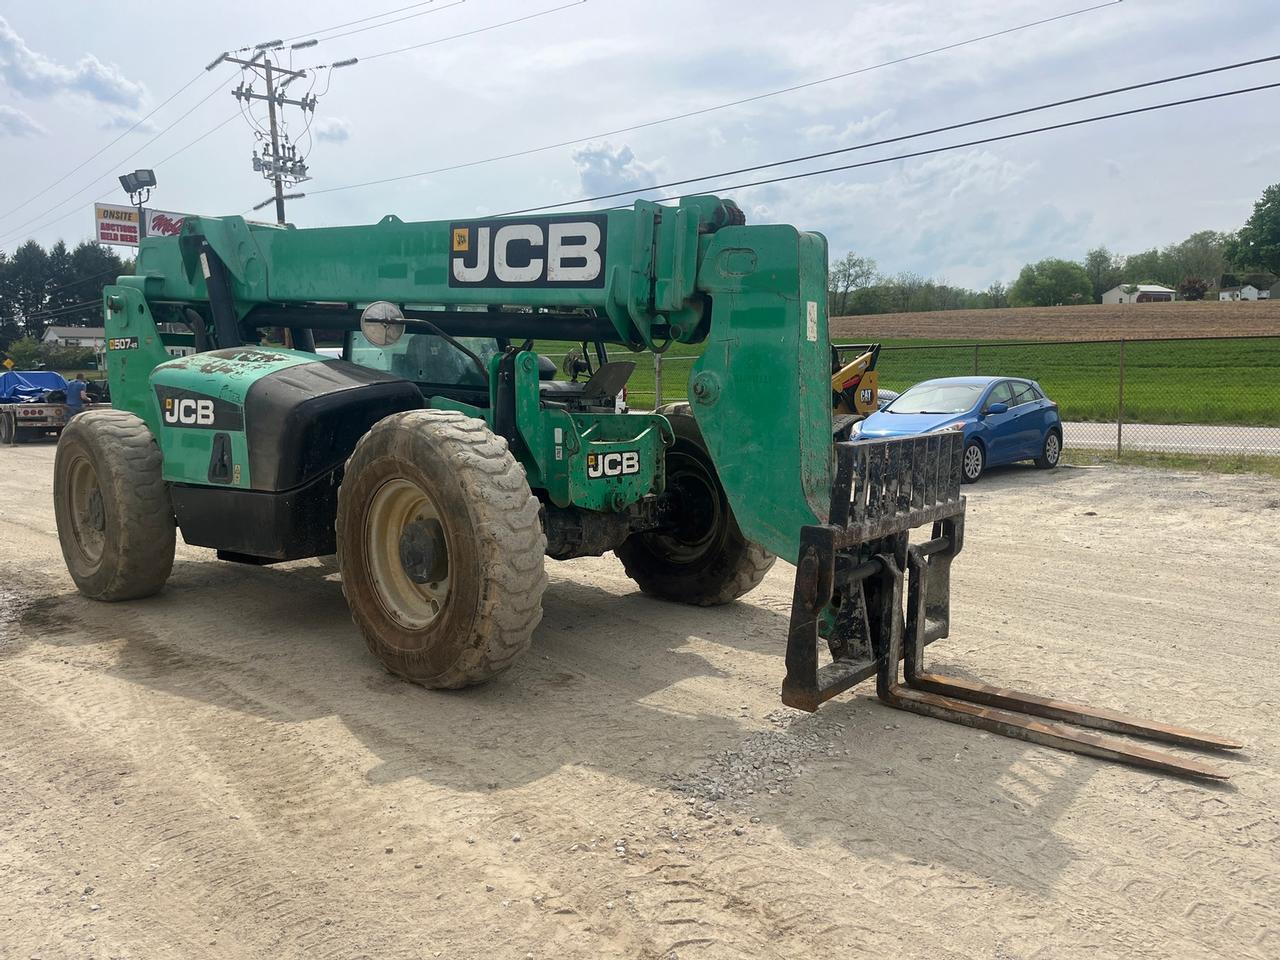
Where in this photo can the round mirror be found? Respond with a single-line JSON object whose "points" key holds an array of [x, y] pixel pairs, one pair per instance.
{"points": [[382, 323]]}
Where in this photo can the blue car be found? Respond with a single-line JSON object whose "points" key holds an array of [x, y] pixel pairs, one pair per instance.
{"points": [[1004, 420]]}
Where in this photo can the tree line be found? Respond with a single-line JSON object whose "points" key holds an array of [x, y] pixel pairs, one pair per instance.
{"points": [[1205, 261], [41, 288]]}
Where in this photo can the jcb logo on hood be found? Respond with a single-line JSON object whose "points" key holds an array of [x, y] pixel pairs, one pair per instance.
{"points": [[185, 408], [621, 464], [541, 252], [188, 412]]}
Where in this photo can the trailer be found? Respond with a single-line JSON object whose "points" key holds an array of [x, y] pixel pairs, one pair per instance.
{"points": [[26, 410]]}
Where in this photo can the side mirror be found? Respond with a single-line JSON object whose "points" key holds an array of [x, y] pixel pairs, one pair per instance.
{"points": [[998, 408]]}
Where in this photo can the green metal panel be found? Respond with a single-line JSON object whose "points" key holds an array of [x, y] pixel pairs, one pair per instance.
{"points": [[226, 380], [761, 389]]}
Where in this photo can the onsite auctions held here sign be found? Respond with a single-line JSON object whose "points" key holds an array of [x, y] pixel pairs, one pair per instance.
{"points": [[119, 225]]}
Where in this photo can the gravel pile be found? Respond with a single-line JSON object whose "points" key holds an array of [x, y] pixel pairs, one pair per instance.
{"points": [[767, 761]]}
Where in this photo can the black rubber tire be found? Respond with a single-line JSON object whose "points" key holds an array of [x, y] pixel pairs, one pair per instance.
{"points": [[6, 428], [1050, 454], [728, 567], [496, 547], [967, 473], [138, 532]]}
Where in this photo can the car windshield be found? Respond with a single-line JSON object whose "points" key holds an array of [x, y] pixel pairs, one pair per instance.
{"points": [[938, 398]]}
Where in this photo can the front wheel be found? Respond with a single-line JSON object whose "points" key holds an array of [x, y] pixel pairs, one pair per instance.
{"points": [[975, 460], [1051, 452], [699, 556], [441, 548], [115, 520]]}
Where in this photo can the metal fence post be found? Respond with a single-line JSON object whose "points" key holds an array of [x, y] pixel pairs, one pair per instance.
{"points": [[975, 359], [1120, 403], [657, 380]]}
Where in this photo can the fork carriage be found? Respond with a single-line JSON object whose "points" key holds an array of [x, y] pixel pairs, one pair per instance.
{"points": [[849, 592]]}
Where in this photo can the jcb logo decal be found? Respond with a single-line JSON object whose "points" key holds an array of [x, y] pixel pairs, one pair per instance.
{"points": [[541, 252], [189, 412], [621, 464], [186, 408]]}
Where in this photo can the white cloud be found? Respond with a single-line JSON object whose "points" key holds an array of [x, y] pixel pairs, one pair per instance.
{"points": [[36, 76], [15, 123], [603, 168], [332, 130]]}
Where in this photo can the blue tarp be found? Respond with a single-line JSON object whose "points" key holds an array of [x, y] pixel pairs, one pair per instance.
{"points": [[17, 386]]}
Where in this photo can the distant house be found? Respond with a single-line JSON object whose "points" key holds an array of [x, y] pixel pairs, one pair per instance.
{"points": [[1247, 292], [94, 337], [1138, 293]]}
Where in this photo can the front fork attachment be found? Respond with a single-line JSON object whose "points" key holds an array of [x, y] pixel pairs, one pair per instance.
{"points": [[868, 635]]}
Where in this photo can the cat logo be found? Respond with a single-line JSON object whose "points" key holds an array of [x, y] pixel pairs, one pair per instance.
{"points": [[621, 464], [188, 412], [541, 252]]}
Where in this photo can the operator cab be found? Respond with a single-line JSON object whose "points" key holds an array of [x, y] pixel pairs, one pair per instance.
{"points": [[439, 367]]}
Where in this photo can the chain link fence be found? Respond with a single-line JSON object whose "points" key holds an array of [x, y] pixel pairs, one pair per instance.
{"points": [[1216, 396]]}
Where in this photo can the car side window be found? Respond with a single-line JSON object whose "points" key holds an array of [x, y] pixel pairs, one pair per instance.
{"points": [[1000, 394], [1022, 393]]}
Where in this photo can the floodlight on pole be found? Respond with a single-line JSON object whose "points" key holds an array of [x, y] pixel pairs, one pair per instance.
{"points": [[138, 185]]}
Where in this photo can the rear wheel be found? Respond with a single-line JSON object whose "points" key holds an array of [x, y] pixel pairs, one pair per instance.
{"points": [[975, 460], [441, 548], [115, 520], [700, 556], [6, 427], [1051, 452]]}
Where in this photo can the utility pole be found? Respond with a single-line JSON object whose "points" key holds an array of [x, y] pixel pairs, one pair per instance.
{"points": [[275, 139], [277, 164]]}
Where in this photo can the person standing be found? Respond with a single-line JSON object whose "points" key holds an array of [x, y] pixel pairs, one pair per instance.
{"points": [[76, 396]]}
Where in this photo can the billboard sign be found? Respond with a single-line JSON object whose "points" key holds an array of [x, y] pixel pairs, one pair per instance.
{"points": [[118, 225]]}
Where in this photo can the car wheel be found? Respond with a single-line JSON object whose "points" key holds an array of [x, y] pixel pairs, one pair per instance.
{"points": [[975, 459], [1051, 452]]}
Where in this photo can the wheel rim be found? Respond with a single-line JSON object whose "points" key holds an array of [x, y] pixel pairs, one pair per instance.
{"points": [[86, 510], [408, 552], [1052, 448], [972, 462], [698, 510]]}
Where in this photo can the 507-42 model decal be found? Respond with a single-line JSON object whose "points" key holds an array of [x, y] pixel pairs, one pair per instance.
{"points": [[623, 463], [122, 343]]}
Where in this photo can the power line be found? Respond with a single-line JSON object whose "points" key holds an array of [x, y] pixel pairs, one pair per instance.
{"points": [[339, 26], [721, 106], [159, 163], [103, 150], [17, 231], [904, 156], [949, 127], [62, 311], [376, 26], [472, 33]]}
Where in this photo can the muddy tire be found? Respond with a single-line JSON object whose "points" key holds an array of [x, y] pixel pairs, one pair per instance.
{"points": [[706, 560], [441, 548], [115, 519]]}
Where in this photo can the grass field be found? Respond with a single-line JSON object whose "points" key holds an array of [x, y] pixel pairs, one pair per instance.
{"points": [[1235, 381]]}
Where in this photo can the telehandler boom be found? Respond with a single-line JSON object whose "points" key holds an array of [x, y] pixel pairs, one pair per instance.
{"points": [[440, 461]]}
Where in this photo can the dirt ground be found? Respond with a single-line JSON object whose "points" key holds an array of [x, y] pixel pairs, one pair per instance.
{"points": [[223, 772], [1091, 321]]}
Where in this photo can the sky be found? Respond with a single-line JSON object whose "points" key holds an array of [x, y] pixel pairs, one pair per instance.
{"points": [[76, 75]]}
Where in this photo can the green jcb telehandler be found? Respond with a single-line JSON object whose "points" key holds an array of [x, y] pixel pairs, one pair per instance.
{"points": [[440, 460]]}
